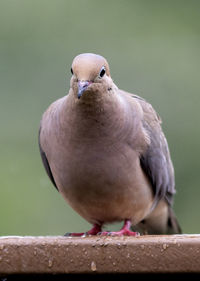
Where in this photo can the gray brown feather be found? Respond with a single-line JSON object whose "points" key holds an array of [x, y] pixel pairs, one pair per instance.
{"points": [[46, 163], [156, 161]]}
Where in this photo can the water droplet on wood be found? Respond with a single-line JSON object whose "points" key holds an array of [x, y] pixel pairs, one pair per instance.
{"points": [[93, 266]]}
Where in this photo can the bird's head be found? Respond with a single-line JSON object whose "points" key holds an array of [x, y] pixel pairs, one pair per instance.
{"points": [[90, 74]]}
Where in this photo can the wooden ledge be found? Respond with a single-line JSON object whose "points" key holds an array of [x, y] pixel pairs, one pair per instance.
{"points": [[60, 255]]}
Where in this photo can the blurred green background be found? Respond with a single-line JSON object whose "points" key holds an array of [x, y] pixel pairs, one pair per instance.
{"points": [[153, 48]]}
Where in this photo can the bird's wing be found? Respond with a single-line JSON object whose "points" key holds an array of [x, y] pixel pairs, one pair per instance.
{"points": [[46, 163], [156, 161]]}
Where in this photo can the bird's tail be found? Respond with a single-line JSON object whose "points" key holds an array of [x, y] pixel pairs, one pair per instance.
{"points": [[173, 226], [161, 220]]}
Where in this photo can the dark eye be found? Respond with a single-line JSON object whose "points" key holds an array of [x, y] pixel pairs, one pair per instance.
{"points": [[72, 71], [102, 72]]}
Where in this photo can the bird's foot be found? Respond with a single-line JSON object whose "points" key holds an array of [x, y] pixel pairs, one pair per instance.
{"points": [[93, 231], [125, 231], [120, 233], [96, 230]]}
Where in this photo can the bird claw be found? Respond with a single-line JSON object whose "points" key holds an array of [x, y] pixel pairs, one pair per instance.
{"points": [[105, 233], [93, 231], [124, 231], [120, 233], [96, 230]]}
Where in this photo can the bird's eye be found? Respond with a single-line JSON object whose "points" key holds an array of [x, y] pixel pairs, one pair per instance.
{"points": [[72, 71], [102, 72]]}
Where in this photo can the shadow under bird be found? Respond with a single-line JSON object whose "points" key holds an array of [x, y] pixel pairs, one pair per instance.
{"points": [[105, 152]]}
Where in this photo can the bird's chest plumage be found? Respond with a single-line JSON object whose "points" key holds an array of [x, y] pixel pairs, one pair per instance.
{"points": [[96, 166], [104, 179]]}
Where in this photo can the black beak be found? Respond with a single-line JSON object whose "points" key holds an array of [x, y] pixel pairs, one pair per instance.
{"points": [[82, 87]]}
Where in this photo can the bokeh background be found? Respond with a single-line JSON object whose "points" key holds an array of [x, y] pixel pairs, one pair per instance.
{"points": [[153, 48]]}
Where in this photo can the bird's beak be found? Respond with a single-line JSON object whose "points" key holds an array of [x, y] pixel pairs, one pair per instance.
{"points": [[82, 87]]}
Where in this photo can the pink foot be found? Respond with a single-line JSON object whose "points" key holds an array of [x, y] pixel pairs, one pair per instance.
{"points": [[93, 231], [125, 231]]}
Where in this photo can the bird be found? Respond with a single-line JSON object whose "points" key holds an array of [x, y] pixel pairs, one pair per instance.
{"points": [[105, 152]]}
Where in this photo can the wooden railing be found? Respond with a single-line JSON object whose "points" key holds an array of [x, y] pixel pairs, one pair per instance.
{"points": [[64, 255]]}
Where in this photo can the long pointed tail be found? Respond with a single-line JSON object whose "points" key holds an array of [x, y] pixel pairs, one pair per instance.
{"points": [[173, 226], [161, 220]]}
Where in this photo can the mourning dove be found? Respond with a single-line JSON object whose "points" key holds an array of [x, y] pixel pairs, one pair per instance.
{"points": [[105, 152]]}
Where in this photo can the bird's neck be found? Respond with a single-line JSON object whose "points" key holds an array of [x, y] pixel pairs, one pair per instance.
{"points": [[99, 117]]}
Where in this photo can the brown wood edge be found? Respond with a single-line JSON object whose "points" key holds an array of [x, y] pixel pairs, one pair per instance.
{"points": [[61, 255]]}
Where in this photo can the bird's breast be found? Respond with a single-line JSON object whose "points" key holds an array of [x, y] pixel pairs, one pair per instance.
{"points": [[96, 166], [105, 181]]}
